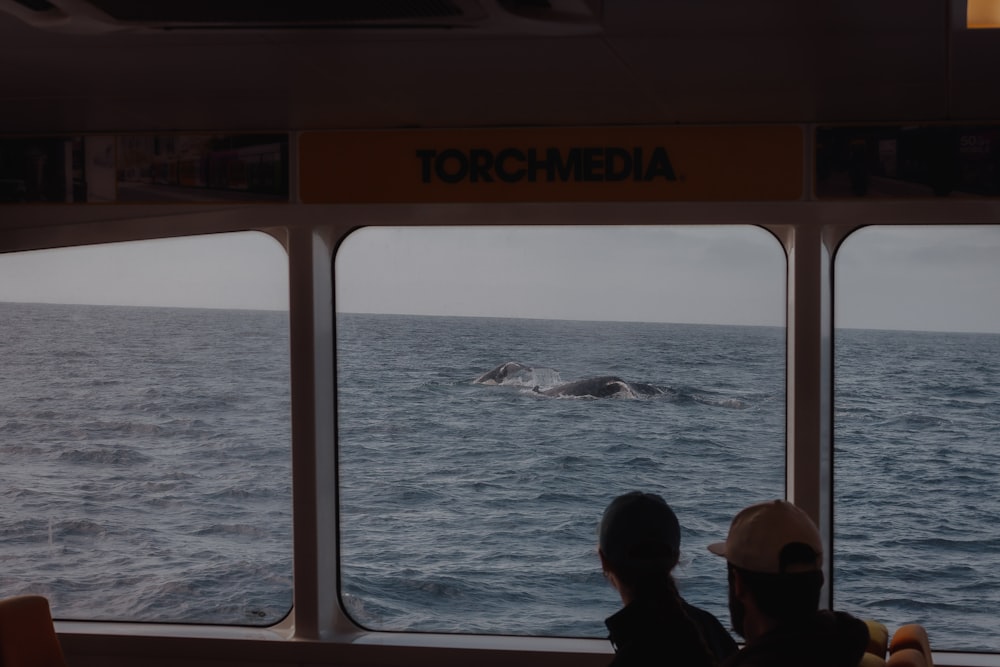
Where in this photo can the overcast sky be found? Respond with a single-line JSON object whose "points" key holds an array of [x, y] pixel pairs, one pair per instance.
{"points": [[890, 278], [920, 278], [245, 270], [649, 274]]}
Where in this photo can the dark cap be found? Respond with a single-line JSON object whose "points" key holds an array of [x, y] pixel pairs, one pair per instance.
{"points": [[639, 525]]}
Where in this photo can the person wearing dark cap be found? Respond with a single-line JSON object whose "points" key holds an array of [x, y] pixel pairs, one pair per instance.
{"points": [[640, 540], [775, 566]]}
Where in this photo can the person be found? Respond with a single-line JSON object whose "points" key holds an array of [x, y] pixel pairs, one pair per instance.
{"points": [[774, 557], [639, 545]]}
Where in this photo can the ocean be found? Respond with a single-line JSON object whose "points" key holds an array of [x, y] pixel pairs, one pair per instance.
{"points": [[144, 459], [145, 462]]}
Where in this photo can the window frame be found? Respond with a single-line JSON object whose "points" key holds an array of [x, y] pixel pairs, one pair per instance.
{"points": [[809, 231], [116, 252]]}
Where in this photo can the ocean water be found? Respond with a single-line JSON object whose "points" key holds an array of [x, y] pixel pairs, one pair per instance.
{"points": [[144, 462], [474, 507], [917, 482]]}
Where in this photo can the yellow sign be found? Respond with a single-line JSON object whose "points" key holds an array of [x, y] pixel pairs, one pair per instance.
{"points": [[703, 163]]}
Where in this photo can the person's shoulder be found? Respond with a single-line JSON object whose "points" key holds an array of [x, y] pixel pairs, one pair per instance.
{"points": [[703, 617], [852, 630], [827, 638], [843, 624], [714, 633]]}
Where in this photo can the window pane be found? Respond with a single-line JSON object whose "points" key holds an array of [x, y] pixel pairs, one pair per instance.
{"points": [[473, 507], [917, 512], [144, 431]]}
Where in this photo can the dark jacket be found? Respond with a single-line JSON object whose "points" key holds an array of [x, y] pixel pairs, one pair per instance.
{"points": [[645, 635], [828, 639]]}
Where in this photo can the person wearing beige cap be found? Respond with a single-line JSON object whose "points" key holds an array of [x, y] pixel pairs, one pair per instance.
{"points": [[639, 545], [775, 567]]}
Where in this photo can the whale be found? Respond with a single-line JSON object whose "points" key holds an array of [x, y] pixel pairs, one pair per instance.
{"points": [[502, 373], [604, 386]]}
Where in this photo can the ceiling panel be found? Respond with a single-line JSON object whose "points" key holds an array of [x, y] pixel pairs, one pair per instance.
{"points": [[631, 62]]}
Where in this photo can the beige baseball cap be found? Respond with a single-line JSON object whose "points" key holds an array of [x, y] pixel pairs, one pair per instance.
{"points": [[759, 533]]}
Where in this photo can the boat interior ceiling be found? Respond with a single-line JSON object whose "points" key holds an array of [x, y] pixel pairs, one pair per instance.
{"points": [[102, 65]]}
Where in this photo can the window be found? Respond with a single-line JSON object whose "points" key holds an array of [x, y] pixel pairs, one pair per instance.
{"points": [[472, 506], [144, 431], [917, 384]]}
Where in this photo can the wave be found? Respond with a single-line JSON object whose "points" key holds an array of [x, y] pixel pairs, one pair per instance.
{"points": [[720, 402], [243, 492], [72, 354], [104, 456], [19, 449], [234, 529], [78, 528], [25, 531], [915, 421]]}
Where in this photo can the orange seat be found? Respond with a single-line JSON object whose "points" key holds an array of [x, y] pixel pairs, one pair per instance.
{"points": [[907, 657], [912, 636], [878, 638], [27, 635], [871, 660]]}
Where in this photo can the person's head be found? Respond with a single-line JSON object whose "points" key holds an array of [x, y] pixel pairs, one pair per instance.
{"points": [[775, 564], [639, 543]]}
